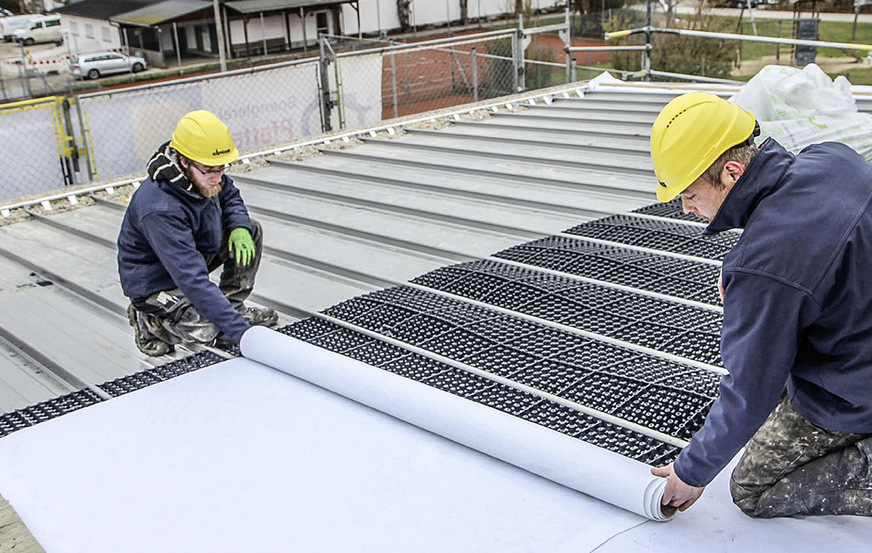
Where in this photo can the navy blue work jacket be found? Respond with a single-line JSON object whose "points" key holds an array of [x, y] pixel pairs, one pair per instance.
{"points": [[167, 235], [798, 300]]}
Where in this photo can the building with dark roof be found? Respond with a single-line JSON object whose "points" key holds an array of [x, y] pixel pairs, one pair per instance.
{"points": [[170, 31]]}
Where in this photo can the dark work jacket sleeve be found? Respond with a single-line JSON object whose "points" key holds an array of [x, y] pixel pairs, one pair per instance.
{"points": [[761, 324], [233, 211], [172, 240]]}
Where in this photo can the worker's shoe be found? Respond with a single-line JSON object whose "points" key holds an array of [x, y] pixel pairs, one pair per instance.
{"points": [[260, 316], [147, 342]]}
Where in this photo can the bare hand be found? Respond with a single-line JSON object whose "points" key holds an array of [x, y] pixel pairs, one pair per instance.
{"points": [[677, 493], [721, 285]]}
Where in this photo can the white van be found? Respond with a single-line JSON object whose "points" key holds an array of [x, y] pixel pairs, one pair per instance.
{"points": [[45, 28], [8, 25]]}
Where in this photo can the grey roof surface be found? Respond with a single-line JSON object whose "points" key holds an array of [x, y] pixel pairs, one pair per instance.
{"points": [[338, 225]]}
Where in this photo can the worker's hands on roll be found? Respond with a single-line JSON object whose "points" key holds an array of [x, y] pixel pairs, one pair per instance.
{"points": [[677, 493], [241, 243]]}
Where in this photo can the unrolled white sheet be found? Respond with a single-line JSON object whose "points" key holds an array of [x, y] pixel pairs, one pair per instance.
{"points": [[589, 469], [240, 457]]}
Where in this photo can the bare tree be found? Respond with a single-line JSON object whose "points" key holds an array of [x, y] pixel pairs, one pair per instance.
{"points": [[404, 12], [669, 9]]}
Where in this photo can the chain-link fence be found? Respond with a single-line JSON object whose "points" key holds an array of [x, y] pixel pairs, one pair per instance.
{"points": [[39, 152], [433, 75], [262, 108], [111, 134], [25, 74]]}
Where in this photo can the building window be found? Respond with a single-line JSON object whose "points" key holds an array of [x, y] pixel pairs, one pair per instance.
{"points": [[106, 36], [321, 23], [89, 30]]}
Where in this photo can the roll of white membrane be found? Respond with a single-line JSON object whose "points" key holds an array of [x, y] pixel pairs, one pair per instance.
{"points": [[568, 461]]}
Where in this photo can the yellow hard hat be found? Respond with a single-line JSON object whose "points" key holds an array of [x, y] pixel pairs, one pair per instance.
{"points": [[201, 136], [691, 133]]}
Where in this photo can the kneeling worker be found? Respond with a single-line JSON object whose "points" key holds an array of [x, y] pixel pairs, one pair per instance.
{"points": [[797, 320], [184, 221]]}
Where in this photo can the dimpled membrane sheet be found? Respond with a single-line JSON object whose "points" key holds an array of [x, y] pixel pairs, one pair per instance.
{"points": [[496, 395], [22, 418], [686, 331], [35, 414], [532, 369], [148, 377], [658, 235], [669, 210], [663, 274], [628, 384]]}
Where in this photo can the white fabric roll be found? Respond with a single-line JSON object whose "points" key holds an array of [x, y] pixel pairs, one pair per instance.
{"points": [[576, 464]]}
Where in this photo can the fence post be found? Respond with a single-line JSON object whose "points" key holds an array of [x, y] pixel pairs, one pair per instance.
{"points": [[394, 84], [22, 72], [326, 101], [71, 153], [518, 59], [646, 57], [474, 77], [567, 58], [90, 162], [778, 46]]}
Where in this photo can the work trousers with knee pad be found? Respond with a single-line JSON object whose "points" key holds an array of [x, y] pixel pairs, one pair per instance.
{"points": [[170, 317], [793, 468]]}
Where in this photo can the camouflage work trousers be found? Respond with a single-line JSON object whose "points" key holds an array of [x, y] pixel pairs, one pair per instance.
{"points": [[169, 316], [794, 468]]}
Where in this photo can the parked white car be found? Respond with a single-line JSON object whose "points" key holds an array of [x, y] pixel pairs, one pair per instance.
{"points": [[8, 25], [97, 64], [42, 28]]}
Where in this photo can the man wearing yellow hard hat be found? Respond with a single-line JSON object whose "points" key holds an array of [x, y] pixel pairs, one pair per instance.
{"points": [[184, 221], [797, 330]]}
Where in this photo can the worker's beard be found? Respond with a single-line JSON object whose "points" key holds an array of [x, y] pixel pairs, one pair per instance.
{"points": [[207, 189]]}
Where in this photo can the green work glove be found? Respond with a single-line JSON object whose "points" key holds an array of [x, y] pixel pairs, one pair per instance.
{"points": [[240, 242]]}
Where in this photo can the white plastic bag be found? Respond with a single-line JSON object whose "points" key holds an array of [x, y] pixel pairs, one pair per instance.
{"points": [[801, 107]]}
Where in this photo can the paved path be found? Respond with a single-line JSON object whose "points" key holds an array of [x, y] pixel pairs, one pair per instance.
{"points": [[765, 13]]}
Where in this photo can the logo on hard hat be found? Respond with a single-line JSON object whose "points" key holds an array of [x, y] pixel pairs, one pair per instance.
{"points": [[218, 152]]}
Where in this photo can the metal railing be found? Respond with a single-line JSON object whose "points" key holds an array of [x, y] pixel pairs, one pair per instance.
{"points": [[649, 30]]}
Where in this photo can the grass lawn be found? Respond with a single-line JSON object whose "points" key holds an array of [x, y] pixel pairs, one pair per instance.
{"points": [[828, 31]]}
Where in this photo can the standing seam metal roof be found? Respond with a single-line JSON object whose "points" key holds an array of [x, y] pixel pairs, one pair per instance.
{"points": [[357, 219]]}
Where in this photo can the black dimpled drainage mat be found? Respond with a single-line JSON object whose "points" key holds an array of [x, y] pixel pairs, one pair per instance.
{"points": [[35, 414], [483, 390], [662, 395], [668, 210], [678, 329], [662, 274], [665, 396], [655, 234]]}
